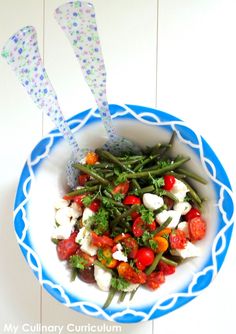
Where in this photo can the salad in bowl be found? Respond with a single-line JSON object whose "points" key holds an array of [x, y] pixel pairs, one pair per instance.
{"points": [[139, 236]]}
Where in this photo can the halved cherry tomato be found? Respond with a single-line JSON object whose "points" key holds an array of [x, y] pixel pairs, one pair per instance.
{"points": [[127, 272], [138, 227], [144, 257], [167, 269], [95, 205], [79, 199], [152, 226], [169, 182], [192, 214], [131, 199], [91, 158], [105, 256], [121, 188], [155, 279], [131, 247], [101, 241], [83, 178], [121, 237], [88, 258], [177, 239], [197, 228], [67, 247]]}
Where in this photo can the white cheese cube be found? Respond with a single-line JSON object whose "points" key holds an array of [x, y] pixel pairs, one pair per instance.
{"points": [[64, 215], [84, 239], [86, 215], [162, 217], [183, 226], [179, 190], [77, 208], [119, 255], [103, 278], [152, 201], [61, 203], [190, 250], [63, 231], [182, 207]]}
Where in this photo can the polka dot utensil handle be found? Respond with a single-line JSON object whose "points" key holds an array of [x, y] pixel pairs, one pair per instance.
{"points": [[22, 54], [77, 19]]}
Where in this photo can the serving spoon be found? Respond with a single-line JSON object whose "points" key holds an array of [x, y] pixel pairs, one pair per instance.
{"points": [[78, 21], [22, 54]]}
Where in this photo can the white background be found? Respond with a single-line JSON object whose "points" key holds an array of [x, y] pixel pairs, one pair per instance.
{"points": [[176, 55]]}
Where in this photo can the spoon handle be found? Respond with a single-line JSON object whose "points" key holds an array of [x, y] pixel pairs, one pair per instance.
{"points": [[78, 21], [22, 54]]}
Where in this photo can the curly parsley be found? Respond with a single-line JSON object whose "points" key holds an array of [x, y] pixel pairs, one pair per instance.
{"points": [[119, 283]]}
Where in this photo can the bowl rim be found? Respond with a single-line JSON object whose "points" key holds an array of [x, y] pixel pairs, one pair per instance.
{"points": [[211, 163]]}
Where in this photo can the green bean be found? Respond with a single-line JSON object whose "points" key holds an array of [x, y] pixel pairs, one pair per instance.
{"points": [[86, 170], [145, 162], [167, 193], [162, 208], [193, 176], [133, 293], [193, 193], [107, 194], [126, 214], [165, 150], [168, 261], [99, 264], [177, 175], [122, 296], [115, 203], [102, 165], [154, 264], [136, 184], [91, 183], [156, 149], [147, 189], [133, 157], [107, 155], [82, 191], [111, 295], [164, 225], [156, 172]]}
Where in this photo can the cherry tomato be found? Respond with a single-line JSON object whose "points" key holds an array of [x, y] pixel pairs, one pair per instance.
{"points": [[91, 158], [105, 256], [145, 256], [101, 241], [88, 258], [131, 199], [67, 247], [121, 237], [177, 239], [122, 188], [197, 228], [168, 202], [95, 205], [131, 247], [127, 272], [152, 226], [167, 269], [134, 215], [169, 182], [138, 227], [79, 199], [83, 178], [155, 279], [87, 275], [192, 214]]}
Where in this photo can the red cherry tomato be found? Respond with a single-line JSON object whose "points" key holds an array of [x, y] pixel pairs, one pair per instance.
{"points": [[101, 241], [67, 247], [177, 239], [145, 256], [152, 226], [167, 269], [197, 228], [192, 214], [121, 237], [131, 247], [95, 205], [131, 199], [138, 227], [88, 258], [79, 199], [83, 178], [169, 182], [122, 188], [134, 215], [127, 272], [155, 279]]}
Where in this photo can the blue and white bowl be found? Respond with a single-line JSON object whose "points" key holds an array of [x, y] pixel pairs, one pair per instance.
{"points": [[43, 180]]}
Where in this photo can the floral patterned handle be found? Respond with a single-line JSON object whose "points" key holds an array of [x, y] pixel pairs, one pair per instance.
{"points": [[78, 21], [22, 54]]}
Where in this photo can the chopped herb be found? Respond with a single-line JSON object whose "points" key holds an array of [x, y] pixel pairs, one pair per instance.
{"points": [[119, 283], [87, 200], [146, 214], [78, 262], [121, 178], [153, 244], [118, 197], [99, 222], [55, 241]]}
